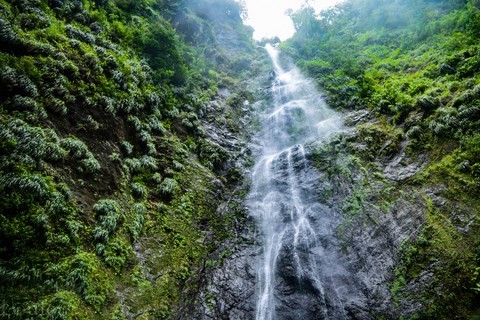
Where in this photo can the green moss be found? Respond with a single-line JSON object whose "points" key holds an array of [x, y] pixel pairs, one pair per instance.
{"points": [[454, 264]]}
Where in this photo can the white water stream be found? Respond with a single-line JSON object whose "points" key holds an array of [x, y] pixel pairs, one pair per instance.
{"points": [[299, 272]]}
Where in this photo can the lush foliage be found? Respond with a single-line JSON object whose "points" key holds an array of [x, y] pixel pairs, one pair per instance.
{"points": [[108, 182], [414, 66]]}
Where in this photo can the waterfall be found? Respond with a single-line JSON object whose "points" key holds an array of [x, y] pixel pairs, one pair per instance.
{"points": [[300, 272]]}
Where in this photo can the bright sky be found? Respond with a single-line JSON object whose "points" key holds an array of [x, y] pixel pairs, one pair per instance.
{"points": [[268, 17]]}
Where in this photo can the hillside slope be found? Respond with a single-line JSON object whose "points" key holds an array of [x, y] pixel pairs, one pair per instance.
{"points": [[406, 175], [123, 128]]}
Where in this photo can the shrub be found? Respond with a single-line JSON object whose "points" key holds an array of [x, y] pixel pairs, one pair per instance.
{"points": [[75, 147], [168, 186], [90, 164], [136, 226], [127, 147], [84, 274], [107, 213], [139, 190]]}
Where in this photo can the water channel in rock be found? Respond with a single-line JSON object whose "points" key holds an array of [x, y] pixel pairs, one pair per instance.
{"points": [[301, 273]]}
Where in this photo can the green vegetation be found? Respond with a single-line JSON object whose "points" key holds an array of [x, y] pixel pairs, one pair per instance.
{"points": [[414, 66], [109, 185]]}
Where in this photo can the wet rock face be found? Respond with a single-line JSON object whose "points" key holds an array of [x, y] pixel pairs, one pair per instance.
{"points": [[302, 256], [349, 280], [301, 272], [374, 249], [325, 277], [313, 279], [298, 295], [229, 290]]}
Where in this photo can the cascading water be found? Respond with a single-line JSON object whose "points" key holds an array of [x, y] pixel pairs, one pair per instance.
{"points": [[300, 273]]}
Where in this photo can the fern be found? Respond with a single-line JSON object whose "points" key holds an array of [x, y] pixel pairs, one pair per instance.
{"points": [[139, 190], [33, 184], [153, 101], [415, 132], [22, 103], [108, 104], [135, 122], [145, 136], [151, 149], [127, 147], [14, 83], [469, 112], [139, 211], [78, 150], [186, 122], [34, 142], [137, 225], [156, 125], [75, 147], [116, 253], [157, 177], [437, 128], [56, 205], [108, 213], [60, 305], [90, 164], [100, 234], [132, 165], [115, 157], [24, 272], [178, 166], [83, 274], [168, 185], [148, 163], [65, 191], [56, 105]]}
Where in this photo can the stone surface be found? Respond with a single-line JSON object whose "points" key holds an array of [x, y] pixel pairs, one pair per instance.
{"points": [[343, 268], [229, 289]]}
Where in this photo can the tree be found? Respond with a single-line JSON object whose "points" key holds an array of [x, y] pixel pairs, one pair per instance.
{"points": [[304, 20]]}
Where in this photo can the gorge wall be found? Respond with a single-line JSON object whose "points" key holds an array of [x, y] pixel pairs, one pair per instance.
{"points": [[401, 178]]}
